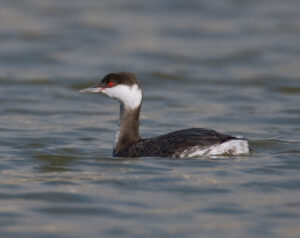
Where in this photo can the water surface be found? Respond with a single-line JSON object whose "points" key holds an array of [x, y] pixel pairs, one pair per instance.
{"points": [[229, 65]]}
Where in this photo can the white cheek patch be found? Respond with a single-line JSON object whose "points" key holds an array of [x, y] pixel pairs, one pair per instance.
{"points": [[131, 97]]}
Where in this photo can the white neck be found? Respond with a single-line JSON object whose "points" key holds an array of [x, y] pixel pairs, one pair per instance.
{"points": [[118, 129]]}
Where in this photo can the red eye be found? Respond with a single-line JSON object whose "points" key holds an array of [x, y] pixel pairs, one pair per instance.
{"points": [[110, 84]]}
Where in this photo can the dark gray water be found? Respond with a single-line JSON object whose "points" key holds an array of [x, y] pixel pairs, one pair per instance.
{"points": [[233, 66]]}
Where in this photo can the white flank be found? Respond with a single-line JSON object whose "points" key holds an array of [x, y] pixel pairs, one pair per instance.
{"points": [[131, 97], [232, 147]]}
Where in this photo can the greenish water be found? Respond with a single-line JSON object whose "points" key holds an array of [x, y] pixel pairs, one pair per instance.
{"points": [[233, 66]]}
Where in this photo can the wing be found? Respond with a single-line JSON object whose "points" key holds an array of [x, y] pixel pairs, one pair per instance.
{"points": [[175, 142]]}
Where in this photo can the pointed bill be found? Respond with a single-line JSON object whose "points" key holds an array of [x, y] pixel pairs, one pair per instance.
{"points": [[93, 89]]}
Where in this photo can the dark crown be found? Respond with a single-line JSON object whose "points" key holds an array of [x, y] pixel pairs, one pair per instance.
{"points": [[125, 78]]}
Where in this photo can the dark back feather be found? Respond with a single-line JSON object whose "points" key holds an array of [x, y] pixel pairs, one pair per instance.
{"points": [[175, 142]]}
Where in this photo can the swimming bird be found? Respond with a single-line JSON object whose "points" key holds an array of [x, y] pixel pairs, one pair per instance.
{"points": [[192, 142]]}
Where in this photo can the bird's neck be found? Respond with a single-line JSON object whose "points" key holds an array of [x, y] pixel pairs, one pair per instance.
{"points": [[128, 128]]}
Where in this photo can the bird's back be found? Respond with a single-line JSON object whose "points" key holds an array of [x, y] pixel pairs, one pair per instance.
{"points": [[177, 144]]}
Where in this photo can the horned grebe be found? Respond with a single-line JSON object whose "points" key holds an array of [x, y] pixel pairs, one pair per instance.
{"points": [[193, 142]]}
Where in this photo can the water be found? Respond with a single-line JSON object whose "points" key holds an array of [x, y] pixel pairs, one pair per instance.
{"points": [[229, 65]]}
